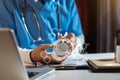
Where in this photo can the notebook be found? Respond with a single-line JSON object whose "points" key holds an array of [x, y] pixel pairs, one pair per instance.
{"points": [[104, 65], [11, 64]]}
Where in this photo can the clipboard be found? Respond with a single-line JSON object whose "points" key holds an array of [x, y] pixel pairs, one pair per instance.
{"points": [[104, 65]]}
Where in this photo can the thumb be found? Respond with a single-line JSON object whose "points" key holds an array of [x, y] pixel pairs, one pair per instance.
{"points": [[46, 46]]}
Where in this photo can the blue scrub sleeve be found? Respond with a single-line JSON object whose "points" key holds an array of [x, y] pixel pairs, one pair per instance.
{"points": [[75, 23]]}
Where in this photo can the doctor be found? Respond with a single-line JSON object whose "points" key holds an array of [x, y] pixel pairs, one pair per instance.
{"points": [[39, 23]]}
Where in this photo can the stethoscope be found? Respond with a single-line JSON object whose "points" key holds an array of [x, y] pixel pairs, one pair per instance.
{"points": [[37, 20]]}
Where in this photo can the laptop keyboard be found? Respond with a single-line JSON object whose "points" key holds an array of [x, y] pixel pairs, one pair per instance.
{"points": [[31, 74]]}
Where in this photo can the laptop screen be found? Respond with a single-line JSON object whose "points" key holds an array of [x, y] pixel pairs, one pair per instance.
{"points": [[11, 63]]}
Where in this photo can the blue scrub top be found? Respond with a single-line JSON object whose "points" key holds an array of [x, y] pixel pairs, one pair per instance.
{"points": [[39, 20]]}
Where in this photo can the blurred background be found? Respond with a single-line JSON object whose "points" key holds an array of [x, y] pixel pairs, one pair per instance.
{"points": [[100, 19]]}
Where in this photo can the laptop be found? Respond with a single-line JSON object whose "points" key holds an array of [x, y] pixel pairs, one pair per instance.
{"points": [[11, 64]]}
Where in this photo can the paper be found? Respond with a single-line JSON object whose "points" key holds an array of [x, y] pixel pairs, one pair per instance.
{"points": [[75, 59]]}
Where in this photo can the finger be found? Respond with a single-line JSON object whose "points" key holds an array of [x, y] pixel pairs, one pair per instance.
{"points": [[42, 47], [66, 41], [69, 36], [60, 36], [73, 39], [46, 46]]}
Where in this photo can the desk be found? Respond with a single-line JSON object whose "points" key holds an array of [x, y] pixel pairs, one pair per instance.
{"points": [[84, 74]]}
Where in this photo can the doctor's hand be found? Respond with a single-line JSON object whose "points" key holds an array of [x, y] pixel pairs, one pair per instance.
{"points": [[71, 37], [39, 54]]}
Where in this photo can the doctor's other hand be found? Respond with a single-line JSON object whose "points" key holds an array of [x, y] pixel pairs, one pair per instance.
{"points": [[39, 54], [71, 37]]}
